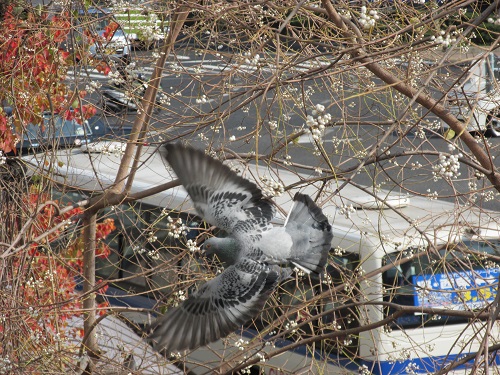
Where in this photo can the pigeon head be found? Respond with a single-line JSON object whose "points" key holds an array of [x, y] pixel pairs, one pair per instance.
{"points": [[226, 249]]}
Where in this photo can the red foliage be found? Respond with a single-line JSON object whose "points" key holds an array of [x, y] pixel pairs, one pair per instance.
{"points": [[7, 139], [33, 68], [103, 68], [47, 295], [109, 31], [33, 62], [80, 114], [60, 25]]}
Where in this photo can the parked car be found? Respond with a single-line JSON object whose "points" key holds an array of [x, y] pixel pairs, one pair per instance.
{"points": [[55, 132], [124, 97], [118, 47], [123, 350], [476, 101]]}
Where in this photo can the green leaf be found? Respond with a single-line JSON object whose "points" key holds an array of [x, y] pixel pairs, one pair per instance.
{"points": [[449, 134]]}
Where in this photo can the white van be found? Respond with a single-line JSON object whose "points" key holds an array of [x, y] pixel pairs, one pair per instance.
{"points": [[404, 276], [476, 101]]}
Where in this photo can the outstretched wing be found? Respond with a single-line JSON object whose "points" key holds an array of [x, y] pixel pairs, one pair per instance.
{"points": [[218, 308], [220, 196]]}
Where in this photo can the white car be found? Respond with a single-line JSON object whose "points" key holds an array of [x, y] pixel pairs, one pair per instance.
{"points": [[117, 47], [476, 101], [378, 262]]}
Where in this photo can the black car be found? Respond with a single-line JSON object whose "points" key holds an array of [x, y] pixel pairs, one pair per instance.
{"points": [[55, 132]]}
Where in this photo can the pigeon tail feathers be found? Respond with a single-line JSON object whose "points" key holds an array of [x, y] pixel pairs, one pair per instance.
{"points": [[309, 254]]}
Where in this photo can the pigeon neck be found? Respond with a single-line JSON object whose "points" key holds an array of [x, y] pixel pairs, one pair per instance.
{"points": [[227, 251]]}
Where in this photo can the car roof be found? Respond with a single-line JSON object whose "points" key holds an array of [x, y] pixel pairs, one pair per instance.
{"points": [[402, 221]]}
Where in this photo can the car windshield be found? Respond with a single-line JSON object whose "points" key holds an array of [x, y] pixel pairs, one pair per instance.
{"points": [[460, 276], [56, 127], [69, 128], [32, 132]]}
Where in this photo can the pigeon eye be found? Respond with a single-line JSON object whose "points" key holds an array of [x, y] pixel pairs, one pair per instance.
{"points": [[208, 246]]}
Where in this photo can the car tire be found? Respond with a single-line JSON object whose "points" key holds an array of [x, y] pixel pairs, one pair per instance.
{"points": [[493, 124]]}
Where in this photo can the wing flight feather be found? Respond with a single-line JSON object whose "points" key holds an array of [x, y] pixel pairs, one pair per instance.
{"points": [[218, 308], [220, 196]]}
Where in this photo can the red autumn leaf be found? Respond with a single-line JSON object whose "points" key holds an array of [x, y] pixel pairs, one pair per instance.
{"points": [[7, 138], [88, 110], [61, 28], [64, 54], [103, 67], [68, 115], [109, 30]]}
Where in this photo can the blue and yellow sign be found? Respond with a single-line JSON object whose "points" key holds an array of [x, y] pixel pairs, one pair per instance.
{"points": [[463, 290]]}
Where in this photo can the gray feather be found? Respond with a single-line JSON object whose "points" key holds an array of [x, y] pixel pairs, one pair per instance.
{"points": [[311, 234], [218, 308], [220, 196]]}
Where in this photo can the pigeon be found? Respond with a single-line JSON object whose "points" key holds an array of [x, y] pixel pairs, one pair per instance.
{"points": [[256, 255]]}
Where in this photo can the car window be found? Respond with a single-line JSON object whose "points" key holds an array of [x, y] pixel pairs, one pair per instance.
{"points": [[458, 277], [72, 128], [59, 127], [97, 126], [32, 132]]}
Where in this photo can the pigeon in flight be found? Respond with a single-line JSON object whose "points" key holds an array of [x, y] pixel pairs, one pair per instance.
{"points": [[256, 255]]}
